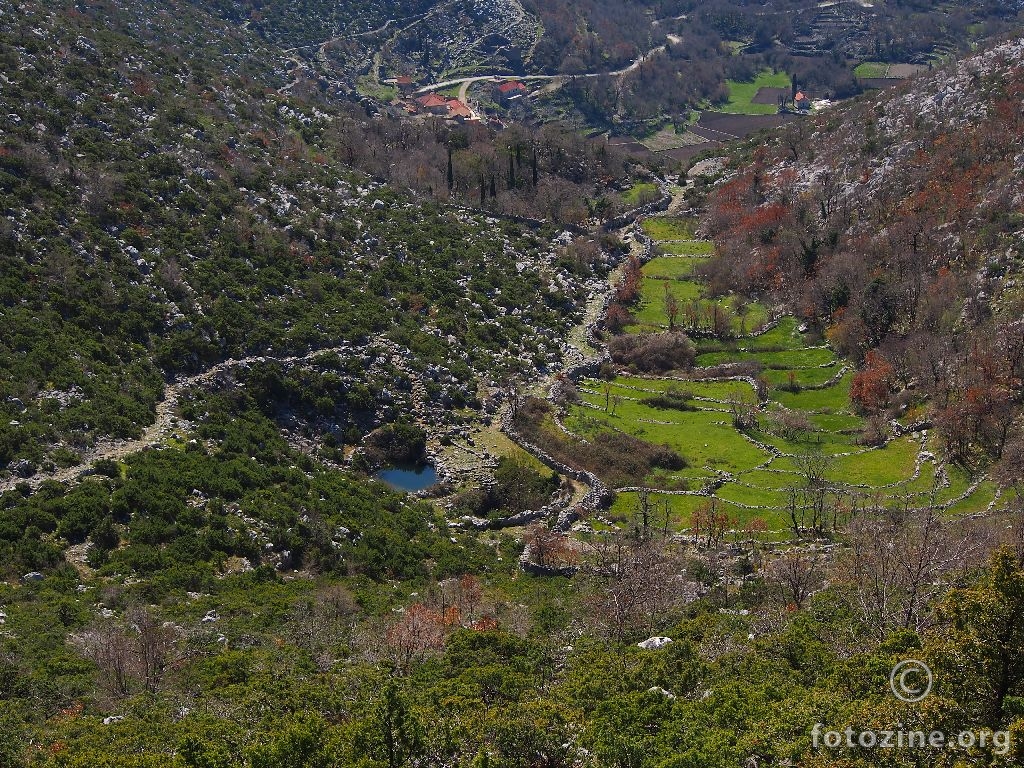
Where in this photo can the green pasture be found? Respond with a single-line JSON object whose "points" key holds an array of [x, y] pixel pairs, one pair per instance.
{"points": [[670, 268], [783, 360], [633, 195], [871, 69], [682, 507], [670, 228], [686, 247], [741, 94]]}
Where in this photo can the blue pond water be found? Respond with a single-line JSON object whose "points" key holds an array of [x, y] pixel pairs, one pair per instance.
{"points": [[409, 478]]}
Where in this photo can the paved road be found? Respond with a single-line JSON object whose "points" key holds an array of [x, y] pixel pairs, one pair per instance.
{"points": [[466, 82]]}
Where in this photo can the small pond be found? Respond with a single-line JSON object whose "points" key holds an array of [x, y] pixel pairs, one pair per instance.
{"points": [[409, 478]]}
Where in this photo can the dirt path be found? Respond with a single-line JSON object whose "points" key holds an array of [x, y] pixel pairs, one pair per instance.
{"points": [[296, 74], [110, 448], [156, 433], [163, 425]]}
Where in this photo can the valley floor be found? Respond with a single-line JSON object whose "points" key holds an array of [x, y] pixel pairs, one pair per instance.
{"points": [[805, 434]]}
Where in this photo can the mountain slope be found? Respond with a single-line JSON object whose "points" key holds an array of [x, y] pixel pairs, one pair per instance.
{"points": [[895, 224], [164, 210]]}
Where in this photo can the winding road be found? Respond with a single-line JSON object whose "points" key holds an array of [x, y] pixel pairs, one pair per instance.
{"points": [[466, 82]]}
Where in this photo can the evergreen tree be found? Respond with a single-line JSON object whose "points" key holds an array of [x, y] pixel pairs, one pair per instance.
{"points": [[986, 643]]}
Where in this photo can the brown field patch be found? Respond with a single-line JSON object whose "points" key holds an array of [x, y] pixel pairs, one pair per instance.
{"points": [[667, 139], [770, 95], [880, 83], [719, 126], [685, 154], [905, 70]]}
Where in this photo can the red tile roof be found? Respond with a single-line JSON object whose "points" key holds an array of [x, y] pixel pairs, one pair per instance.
{"points": [[431, 100], [511, 86], [457, 109]]}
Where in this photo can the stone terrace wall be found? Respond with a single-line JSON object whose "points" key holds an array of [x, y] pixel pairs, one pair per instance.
{"points": [[627, 218]]}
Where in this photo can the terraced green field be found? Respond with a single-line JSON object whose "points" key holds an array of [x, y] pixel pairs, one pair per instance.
{"points": [[686, 248], [805, 425], [871, 69], [666, 228], [666, 268], [633, 195], [673, 275]]}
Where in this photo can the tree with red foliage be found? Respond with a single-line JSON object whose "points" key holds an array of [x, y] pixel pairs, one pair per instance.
{"points": [[485, 624], [469, 594], [617, 317], [549, 548], [872, 385], [418, 631], [709, 522], [628, 291]]}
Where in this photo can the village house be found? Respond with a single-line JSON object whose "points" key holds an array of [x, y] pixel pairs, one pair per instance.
{"points": [[405, 84], [509, 90], [433, 103], [459, 111], [436, 104], [801, 102]]}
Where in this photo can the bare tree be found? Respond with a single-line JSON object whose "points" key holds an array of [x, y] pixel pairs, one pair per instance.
{"points": [[644, 510], [671, 307], [548, 548], [153, 645], [469, 595], [797, 576], [810, 499], [514, 397], [324, 622], [107, 645], [1009, 472], [417, 632], [743, 410], [900, 558], [632, 583]]}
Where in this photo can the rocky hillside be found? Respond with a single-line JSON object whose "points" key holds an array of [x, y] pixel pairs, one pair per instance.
{"points": [[165, 210], [894, 225]]}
